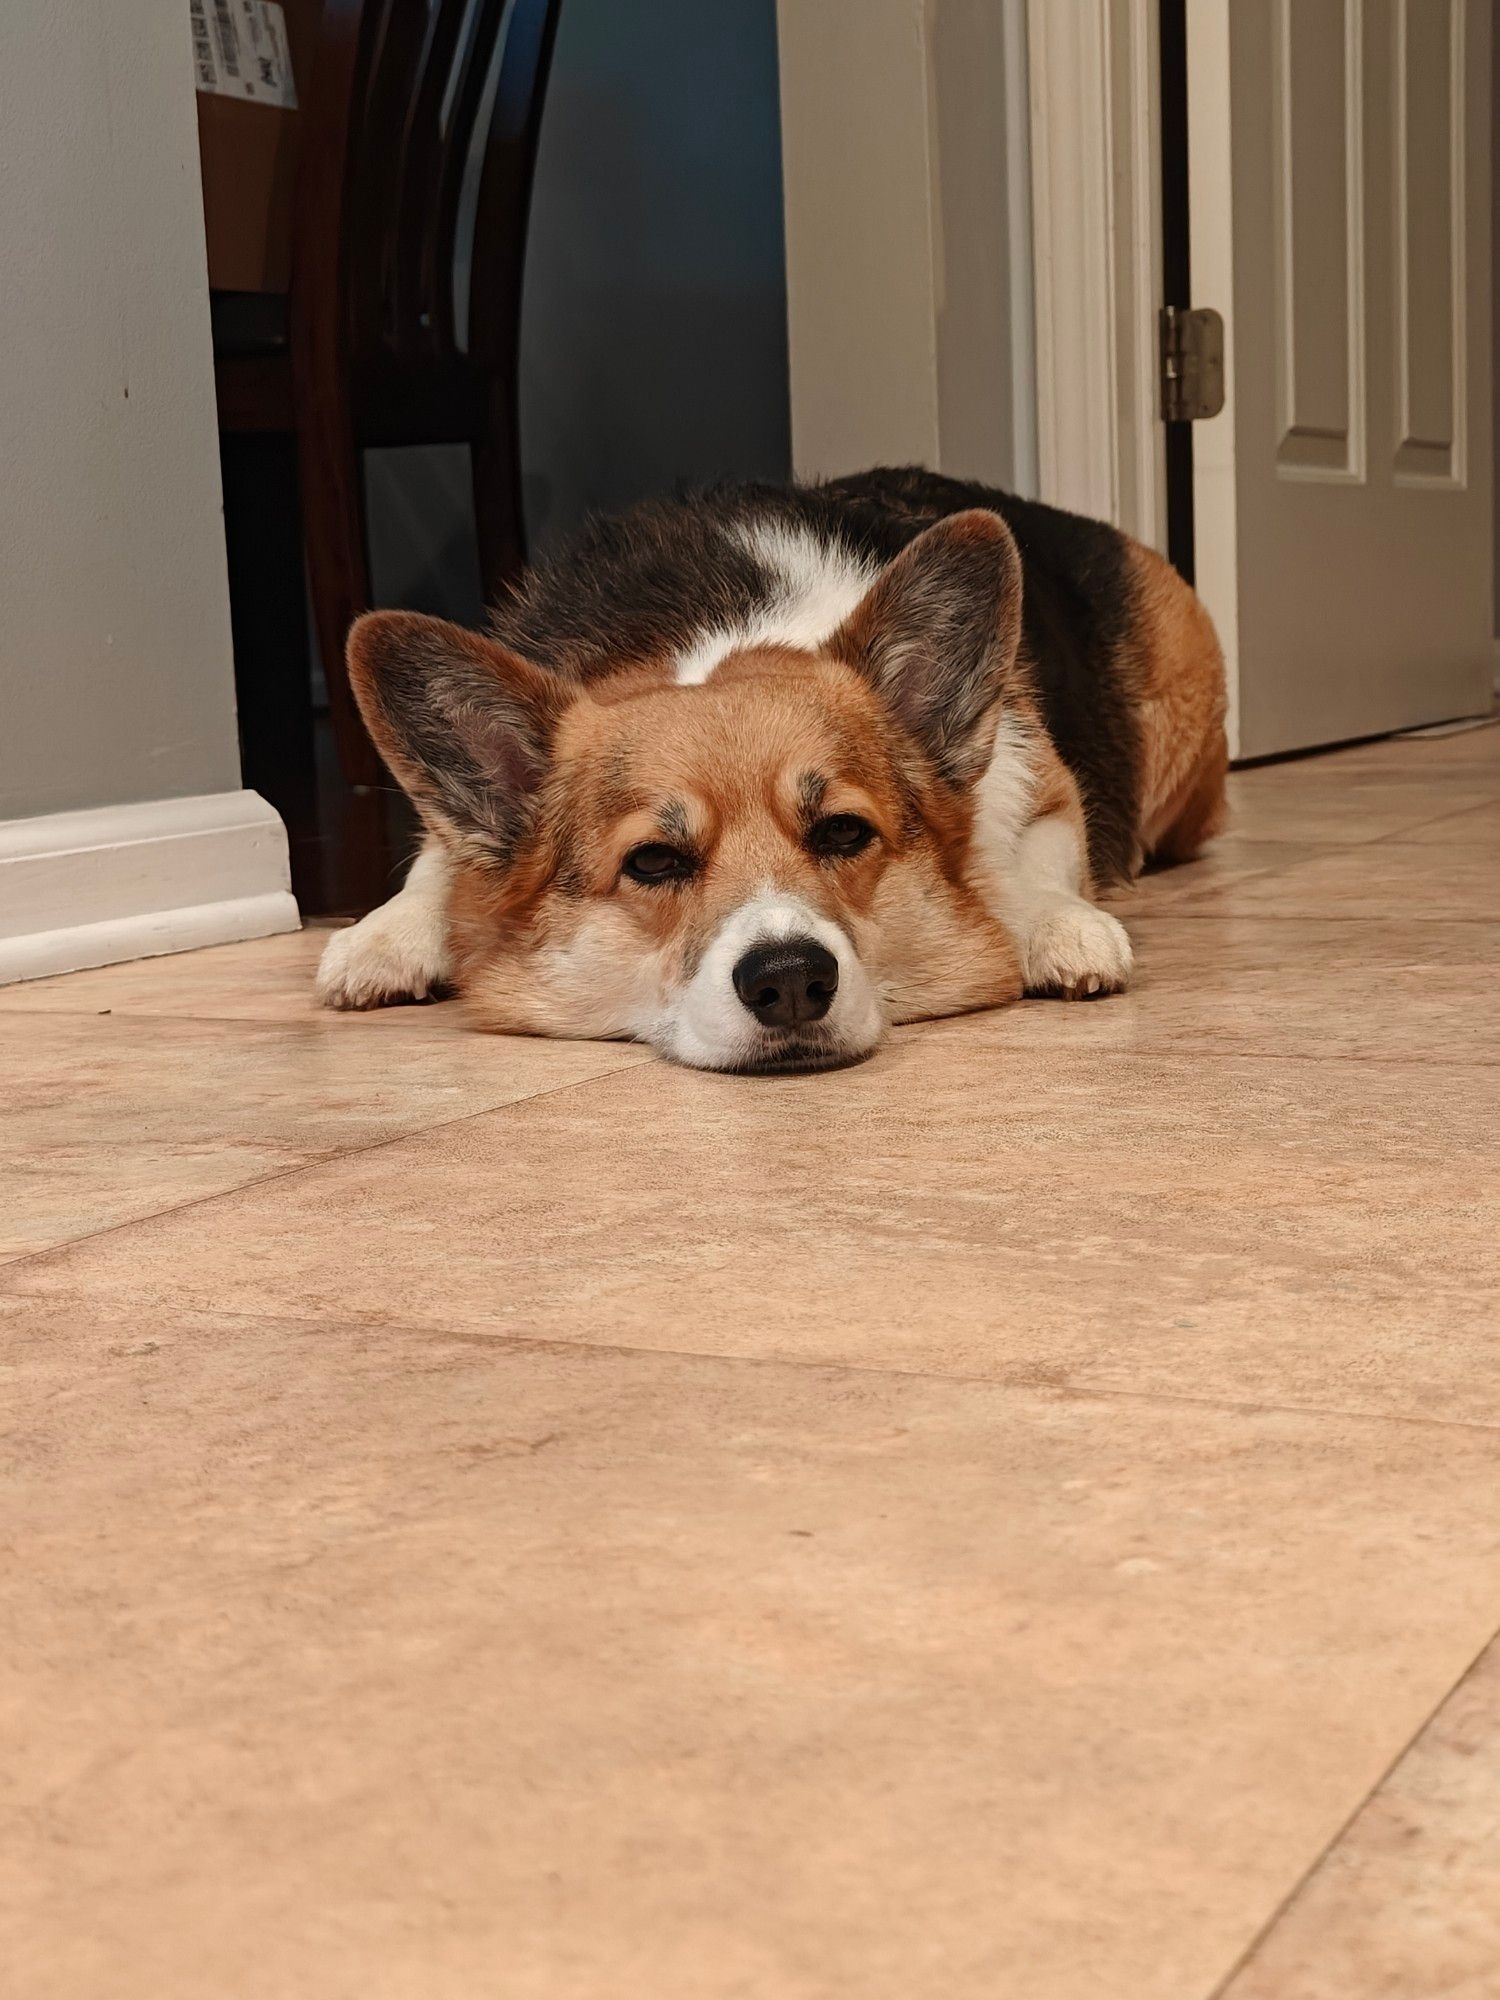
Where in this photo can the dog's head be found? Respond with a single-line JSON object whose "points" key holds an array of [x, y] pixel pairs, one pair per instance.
{"points": [[758, 872]]}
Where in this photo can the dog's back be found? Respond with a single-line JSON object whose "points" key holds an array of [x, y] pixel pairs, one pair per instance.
{"points": [[1125, 664]]}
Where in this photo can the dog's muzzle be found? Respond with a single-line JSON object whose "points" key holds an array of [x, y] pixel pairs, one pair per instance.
{"points": [[779, 988]]}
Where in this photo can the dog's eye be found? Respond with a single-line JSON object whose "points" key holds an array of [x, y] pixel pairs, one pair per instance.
{"points": [[656, 862], [841, 835]]}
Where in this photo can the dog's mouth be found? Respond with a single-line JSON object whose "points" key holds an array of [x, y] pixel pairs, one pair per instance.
{"points": [[799, 1058]]}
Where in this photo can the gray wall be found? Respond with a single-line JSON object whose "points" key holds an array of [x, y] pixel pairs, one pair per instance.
{"points": [[116, 680], [908, 227], [654, 332]]}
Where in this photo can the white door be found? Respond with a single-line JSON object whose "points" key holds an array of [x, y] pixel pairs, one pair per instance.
{"points": [[1339, 187]]}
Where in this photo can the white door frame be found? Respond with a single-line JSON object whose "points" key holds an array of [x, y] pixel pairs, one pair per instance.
{"points": [[1096, 218], [1211, 254], [896, 189]]}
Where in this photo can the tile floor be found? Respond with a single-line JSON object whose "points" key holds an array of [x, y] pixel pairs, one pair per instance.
{"points": [[1019, 1519]]}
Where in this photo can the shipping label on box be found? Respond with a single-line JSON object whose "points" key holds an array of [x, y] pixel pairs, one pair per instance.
{"points": [[240, 50]]}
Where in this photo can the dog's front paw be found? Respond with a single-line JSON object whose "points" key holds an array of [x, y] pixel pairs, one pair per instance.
{"points": [[390, 956], [1077, 952]]}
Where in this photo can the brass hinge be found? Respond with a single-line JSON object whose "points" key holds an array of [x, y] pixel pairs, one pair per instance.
{"points": [[1192, 363]]}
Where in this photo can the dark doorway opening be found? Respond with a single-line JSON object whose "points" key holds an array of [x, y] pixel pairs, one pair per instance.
{"points": [[1176, 261]]}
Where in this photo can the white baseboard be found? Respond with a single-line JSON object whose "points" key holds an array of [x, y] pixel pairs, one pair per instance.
{"points": [[120, 882]]}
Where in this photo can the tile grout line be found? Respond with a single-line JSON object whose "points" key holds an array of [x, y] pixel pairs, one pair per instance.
{"points": [[1179, 1042], [1439, 819], [1182, 1046], [1390, 920], [320, 1017], [1192, 910], [1221, 1990], [1177, 1052], [544, 1343], [1355, 843], [1322, 849], [310, 1165], [206, 1020]]}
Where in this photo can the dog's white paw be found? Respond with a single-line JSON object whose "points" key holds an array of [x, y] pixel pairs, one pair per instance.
{"points": [[387, 957], [1077, 951]]}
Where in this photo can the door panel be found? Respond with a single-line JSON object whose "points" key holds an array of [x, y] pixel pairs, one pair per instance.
{"points": [[1316, 233], [1349, 562], [1429, 249]]}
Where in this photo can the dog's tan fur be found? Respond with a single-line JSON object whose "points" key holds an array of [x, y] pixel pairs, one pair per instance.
{"points": [[1185, 754], [737, 757], [548, 934]]}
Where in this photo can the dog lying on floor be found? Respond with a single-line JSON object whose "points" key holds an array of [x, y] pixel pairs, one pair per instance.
{"points": [[753, 775]]}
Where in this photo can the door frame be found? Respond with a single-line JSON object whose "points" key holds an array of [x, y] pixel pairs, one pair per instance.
{"points": [[1094, 73], [1096, 119], [891, 111], [1067, 212]]}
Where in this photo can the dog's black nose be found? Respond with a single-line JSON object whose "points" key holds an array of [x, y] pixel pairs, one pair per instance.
{"points": [[785, 984]]}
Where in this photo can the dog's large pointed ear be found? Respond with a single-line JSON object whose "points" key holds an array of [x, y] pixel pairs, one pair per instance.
{"points": [[464, 724], [936, 634]]}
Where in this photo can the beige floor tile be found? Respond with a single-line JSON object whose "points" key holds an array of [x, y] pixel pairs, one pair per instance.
{"points": [[1393, 879], [1212, 880], [1252, 1228], [356, 1649], [1479, 825], [1407, 1904], [344, 1661], [109, 1119], [268, 979], [1422, 755], [1294, 986], [1305, 801]]}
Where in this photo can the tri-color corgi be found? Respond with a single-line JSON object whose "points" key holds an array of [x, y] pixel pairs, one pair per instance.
{"points": [[753, 775]]}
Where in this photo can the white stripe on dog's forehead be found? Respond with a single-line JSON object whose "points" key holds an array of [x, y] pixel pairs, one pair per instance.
{"points": [[771, 916], [778, 916], [817, 585]]}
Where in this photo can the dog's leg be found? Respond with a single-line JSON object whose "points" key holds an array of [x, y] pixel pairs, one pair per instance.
{"points": [[398, 952], [1069, 946]]}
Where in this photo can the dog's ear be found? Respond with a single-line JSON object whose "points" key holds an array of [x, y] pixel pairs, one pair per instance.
{"points": [[463, 723], [936, 634]]}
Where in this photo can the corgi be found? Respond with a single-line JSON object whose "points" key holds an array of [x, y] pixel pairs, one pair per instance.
{"points": [[753, 775]]}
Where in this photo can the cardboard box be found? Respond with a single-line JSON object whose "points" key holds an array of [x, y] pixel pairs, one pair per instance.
{"points": [[249, 151]]}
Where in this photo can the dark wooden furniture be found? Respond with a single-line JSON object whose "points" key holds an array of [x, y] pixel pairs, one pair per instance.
{"points": [[420, 127]]}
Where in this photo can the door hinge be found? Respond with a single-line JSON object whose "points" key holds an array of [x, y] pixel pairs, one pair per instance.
{"points": [[1192, 363]]}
